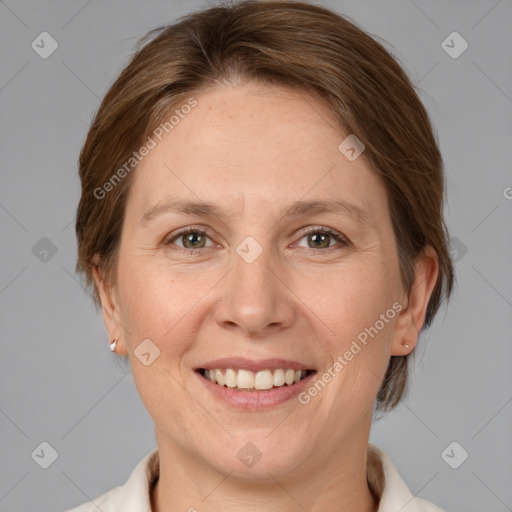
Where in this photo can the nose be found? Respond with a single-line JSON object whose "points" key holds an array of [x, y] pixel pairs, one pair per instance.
{"points": [[255, 298]]}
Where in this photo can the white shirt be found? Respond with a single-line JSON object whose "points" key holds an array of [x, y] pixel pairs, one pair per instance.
{"points": [[383, 479]]}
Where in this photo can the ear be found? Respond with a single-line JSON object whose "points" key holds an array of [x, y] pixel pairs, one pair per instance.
{"points": [[412, 316], [110, 310]]}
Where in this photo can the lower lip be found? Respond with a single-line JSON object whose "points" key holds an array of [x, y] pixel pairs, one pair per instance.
{"points": [[256, 400]]}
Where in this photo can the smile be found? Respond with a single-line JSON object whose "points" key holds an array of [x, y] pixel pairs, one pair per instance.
{"points": [[247, 380], [252, 384]]}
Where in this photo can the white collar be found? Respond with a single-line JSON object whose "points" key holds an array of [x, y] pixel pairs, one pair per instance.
{"points": [[383, 478]]}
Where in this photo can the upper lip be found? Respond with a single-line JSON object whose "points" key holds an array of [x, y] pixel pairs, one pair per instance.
{"points": [[242, 363]]}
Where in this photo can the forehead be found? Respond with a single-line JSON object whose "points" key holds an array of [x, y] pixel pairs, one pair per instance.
{"points": [[268, 145]]}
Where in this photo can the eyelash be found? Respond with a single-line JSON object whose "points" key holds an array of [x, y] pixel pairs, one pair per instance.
{"points": [[192, 229]]}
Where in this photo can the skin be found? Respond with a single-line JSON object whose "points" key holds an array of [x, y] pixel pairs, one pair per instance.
{"points": [[253, 149]]}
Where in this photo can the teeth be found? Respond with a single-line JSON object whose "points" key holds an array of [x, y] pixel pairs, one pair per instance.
{"points": [[278, 377], [289, 376], [217, 377], [245, 379], [230, 378], [264, 380]]}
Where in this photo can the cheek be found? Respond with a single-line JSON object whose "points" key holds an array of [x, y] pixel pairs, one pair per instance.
{"points": [[156, 306], [356, 313], [149, 300], [162, 303], [348, 300]]}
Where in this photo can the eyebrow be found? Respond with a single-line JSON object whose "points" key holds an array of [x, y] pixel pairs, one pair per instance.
{"points": [[296, 209]]}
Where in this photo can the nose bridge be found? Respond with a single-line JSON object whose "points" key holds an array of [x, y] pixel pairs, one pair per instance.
{"points": [[252, 263], [253, 297]]}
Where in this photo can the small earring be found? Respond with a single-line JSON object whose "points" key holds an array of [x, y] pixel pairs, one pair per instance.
{"points": [[113, 345], [406, 346]]}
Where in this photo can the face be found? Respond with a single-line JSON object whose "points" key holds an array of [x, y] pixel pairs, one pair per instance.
{"points": [[258, 284]]}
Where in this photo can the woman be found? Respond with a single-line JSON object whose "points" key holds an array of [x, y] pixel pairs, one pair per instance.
{"points": [[261, 219]]}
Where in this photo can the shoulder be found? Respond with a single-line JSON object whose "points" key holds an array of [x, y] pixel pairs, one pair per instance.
{"points": [[102, 502], [133, 495], [386, 483], [426, 506], [421, 505], [99, 502]]}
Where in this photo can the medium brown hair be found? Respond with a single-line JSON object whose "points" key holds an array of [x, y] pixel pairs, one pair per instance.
{"points": [[287, 43]]}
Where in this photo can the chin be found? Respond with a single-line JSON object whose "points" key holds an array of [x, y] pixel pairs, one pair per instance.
{"points": [[253, 457]]}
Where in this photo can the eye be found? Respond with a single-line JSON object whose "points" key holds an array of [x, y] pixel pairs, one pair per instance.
{"points": [[191, 237], [320, 238]]}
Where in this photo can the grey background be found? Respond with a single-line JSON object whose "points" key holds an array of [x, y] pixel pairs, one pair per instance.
{"points": [[60, 383]]}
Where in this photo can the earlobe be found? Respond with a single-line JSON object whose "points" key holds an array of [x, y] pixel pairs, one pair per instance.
{"points": [[110, 312], [412, 317]]}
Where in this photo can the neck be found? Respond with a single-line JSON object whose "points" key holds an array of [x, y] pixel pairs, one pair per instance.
{"points": [[339, 483]]}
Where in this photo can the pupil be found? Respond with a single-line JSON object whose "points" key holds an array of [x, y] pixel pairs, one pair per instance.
{"points": [[317, 237], [192, 238]]}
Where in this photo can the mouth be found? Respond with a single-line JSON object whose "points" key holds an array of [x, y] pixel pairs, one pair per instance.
{"points": [[254, 384], [247, 380]]}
